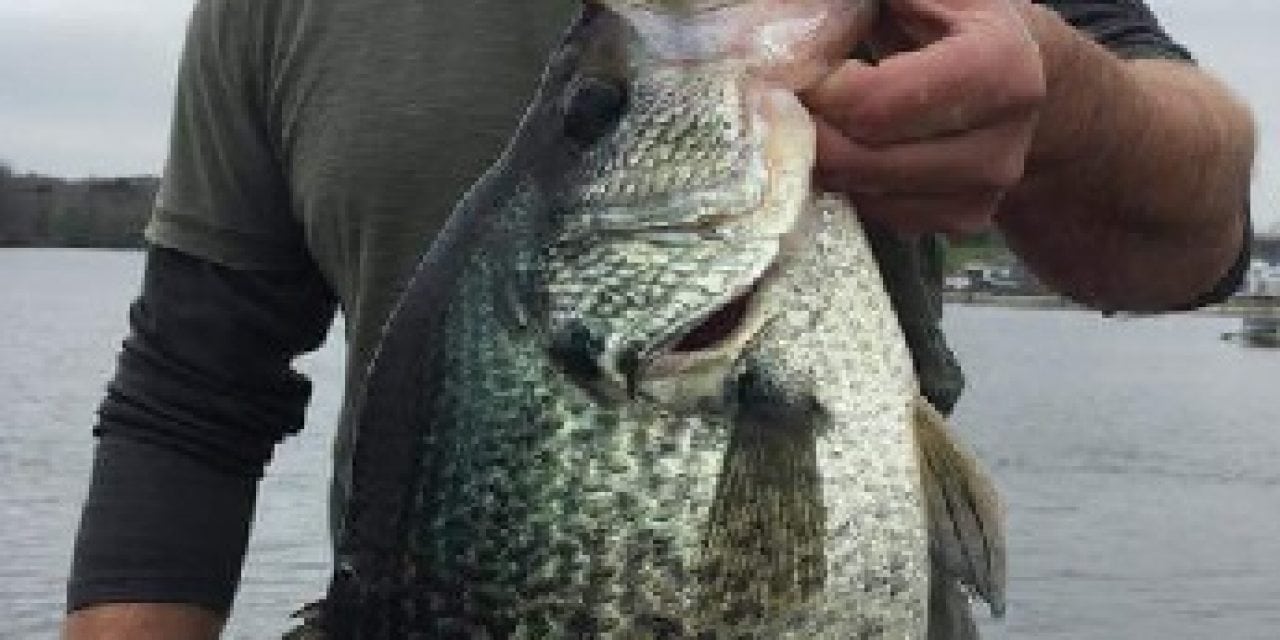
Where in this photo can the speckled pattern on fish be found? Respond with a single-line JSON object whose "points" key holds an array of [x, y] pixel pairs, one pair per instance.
{"points": [[649, 385]]}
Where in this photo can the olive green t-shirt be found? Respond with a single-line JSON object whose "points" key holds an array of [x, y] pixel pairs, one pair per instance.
{"points": [[342, 132], [339, 134]]}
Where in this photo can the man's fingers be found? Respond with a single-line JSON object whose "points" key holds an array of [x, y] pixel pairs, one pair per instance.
{"points": [[931, 138], [952, 214], [990, 159], [958, 83]]}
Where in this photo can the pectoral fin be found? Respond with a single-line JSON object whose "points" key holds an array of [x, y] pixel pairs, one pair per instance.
{"points": [[966, 521]]}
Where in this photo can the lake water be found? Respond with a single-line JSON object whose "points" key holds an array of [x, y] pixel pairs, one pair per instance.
{"points": [[1140, 461]]}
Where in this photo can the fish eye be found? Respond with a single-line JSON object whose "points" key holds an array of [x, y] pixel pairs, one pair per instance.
{"points": [[593, 107]]}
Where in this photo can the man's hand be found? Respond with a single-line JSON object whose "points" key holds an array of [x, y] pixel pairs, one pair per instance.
{"points": [[931, 137], [1122, 184]]}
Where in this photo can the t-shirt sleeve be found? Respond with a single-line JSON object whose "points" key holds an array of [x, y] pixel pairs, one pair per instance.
{"points": [[224, 196], [1126, 27]]}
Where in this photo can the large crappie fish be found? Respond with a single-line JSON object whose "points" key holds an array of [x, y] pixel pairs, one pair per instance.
{"points": [[648, 384]]}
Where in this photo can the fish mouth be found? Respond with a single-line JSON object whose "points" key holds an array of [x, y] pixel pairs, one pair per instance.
{"points": [[718, 327], [694, 366]]}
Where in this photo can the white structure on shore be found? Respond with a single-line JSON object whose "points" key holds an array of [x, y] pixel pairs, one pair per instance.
{"points": [[1263, 279]]}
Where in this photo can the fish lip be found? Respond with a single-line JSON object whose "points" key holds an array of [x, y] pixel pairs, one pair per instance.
{"points": [[666, 360], [701, 379]]}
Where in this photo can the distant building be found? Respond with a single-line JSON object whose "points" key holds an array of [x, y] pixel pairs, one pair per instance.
{"points": [[1263, 279], [1266, 247], [958, 282], [1012, 279]]}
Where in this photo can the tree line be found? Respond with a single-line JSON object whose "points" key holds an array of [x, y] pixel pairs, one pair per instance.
{"points": [[44, 211]]}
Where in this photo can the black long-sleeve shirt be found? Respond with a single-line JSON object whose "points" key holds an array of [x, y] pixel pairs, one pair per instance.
{"points": [[202, 393]]}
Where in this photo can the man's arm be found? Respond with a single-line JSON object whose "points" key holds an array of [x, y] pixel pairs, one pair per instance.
{"points": [[202, 393], [1136, 179], [1123, 184], [203, 389], [143, 621]]}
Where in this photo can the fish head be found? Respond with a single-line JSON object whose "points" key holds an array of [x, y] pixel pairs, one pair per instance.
{"points": [[664, 228]]}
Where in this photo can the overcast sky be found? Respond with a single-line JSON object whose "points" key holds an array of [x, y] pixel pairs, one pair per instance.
{"points": [[85, 85]]}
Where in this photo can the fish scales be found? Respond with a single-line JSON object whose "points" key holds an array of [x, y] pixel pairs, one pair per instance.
{"points": [[658, 391]]}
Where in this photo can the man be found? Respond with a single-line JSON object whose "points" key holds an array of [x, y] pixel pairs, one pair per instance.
{"points": [[318, 145]]}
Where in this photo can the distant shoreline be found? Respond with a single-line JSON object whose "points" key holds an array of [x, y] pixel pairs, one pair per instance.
{"points": [[1235, 307], [32, 247], [982, 299]]}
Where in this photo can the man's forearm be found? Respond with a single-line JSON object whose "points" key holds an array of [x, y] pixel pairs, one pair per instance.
{"points": [[1136, 180], [161, 542]]}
